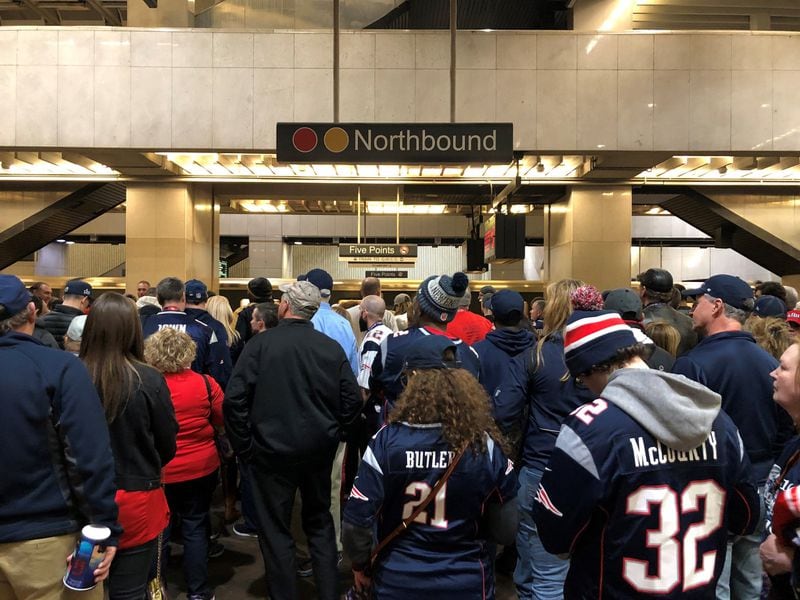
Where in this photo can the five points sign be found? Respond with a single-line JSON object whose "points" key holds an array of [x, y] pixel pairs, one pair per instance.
{"points": [[377, 143], [378, 253]]}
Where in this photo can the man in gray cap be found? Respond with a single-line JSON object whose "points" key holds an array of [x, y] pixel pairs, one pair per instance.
{"points": [[656, 292], [289, 397]]}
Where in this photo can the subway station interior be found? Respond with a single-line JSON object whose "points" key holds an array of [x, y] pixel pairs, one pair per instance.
{"points": [[139, 139]]}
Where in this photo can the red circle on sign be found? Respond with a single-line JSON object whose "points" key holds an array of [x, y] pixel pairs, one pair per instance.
{"points": [[304, 139]]}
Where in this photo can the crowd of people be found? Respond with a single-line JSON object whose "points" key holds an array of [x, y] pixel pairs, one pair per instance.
{"points": [[623, 443]]}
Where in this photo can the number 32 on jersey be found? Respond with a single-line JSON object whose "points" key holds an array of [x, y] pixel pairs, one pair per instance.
{"points": [[670, 550]]}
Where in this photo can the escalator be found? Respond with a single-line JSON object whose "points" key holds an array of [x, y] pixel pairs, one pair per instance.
{"points": [[730, 230], [58, 219]]}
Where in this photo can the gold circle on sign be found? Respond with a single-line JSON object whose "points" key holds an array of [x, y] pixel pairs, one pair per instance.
{"points": [[336, 139]]}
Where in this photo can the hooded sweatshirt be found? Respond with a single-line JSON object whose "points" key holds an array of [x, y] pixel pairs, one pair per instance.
{"points": [[673, 409], [496, 352], [653, 458]]}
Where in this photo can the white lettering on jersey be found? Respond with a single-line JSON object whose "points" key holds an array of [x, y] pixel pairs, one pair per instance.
{"points": [[178, 326], [661, 454], [428, 459]]}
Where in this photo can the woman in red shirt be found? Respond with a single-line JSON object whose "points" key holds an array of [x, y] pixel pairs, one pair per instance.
{"points": [[142, 425], [190, 478]]}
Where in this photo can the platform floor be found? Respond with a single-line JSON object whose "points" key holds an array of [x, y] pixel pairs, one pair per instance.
{"points": [[239, 573]]}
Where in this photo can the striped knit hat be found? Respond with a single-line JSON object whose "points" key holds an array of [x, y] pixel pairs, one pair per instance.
{"points": [[593, 337]]}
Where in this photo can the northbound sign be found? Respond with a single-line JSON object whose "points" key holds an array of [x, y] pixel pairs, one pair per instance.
{"points": [[377, 143]]}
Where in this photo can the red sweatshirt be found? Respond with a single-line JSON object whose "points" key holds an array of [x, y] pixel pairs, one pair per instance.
{"points": [[196, 413]]}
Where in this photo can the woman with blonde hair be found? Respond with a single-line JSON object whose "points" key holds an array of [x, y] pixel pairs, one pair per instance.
{"points": [[533, 399], [773, 334], [220, 308], [190, 477], [433, 489], [781, 499], [664, 335]]}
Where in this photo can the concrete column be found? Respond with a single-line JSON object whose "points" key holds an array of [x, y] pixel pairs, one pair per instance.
{"points": [[168, 13], [171, 229], [588, 237]]}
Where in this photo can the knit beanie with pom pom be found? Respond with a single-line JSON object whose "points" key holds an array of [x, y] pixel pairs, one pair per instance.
{"points": [[439, 296]]}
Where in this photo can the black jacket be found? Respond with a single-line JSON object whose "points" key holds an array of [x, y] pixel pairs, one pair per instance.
{"points": [[291, 393], [57, 321], [143, 434]]}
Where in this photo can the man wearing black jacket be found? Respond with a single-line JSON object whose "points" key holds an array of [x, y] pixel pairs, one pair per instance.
{"points": [[290, 394]]}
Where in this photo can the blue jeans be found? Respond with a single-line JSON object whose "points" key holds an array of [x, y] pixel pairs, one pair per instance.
{"points": [[539, 575], [191, 501], [741, 576]]}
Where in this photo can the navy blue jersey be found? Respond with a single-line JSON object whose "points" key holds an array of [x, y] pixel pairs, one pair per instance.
{"points": [[638, 518], [442, 554], [393, 355], [208, 360]]}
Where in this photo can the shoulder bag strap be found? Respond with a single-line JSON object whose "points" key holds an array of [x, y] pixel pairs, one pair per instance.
{"points": [[420, 507]]}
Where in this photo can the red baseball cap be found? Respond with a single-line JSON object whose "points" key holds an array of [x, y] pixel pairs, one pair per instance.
{"points": [[793, 316]]}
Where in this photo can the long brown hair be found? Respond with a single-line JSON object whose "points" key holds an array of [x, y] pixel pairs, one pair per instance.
{"points": [[454, 398], [111, 346]]}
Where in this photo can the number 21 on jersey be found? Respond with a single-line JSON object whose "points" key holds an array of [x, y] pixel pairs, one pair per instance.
{"points": [[419, 490], [670, 507]]}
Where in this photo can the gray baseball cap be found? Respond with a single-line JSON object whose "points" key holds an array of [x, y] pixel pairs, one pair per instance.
{"points": [[303, 298]]}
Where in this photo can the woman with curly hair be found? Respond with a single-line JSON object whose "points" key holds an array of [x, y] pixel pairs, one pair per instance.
{"points": [[441, 418], [530, 403], [190, 478]]}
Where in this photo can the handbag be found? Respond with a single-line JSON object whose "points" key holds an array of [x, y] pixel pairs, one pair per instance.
{"points": [[155, 587], [363, 593], [224, 448]]}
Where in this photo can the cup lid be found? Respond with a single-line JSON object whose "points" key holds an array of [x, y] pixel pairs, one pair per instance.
{"points": [[96, 532]]}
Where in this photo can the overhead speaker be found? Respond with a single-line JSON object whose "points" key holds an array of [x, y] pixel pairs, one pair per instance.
{"points": [[475, 261]]}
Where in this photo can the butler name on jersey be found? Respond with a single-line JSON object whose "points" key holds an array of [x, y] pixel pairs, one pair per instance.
{"points": [[444, 553], [643, 488]]}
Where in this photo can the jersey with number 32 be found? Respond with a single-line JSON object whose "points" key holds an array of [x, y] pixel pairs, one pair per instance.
{"points": [[638, 518], [443, 553]]}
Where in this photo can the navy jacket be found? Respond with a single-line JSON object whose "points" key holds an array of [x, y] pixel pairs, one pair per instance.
{"points": [[58, 471], [734, 366], [222, 350], [210, 358], [496, 352], [393, 355], [542, 385]]}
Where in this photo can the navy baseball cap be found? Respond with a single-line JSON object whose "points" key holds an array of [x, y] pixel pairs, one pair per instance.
{"points": [[196, 291], [730, 289], [507, 305], [428, 353], [78, 287], [770, 306], [322, 279], [14, 296]]}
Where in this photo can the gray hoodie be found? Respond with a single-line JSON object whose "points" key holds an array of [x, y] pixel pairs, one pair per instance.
{"points": [[673, 409]]}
